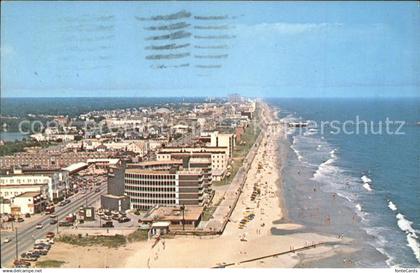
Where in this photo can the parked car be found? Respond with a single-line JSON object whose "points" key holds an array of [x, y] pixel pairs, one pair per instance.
{"points": [[42, 246], [21, 264], [27, 215], [97, 190], [50, 235], [30, 256], [123, 220], [39, 226], [7, 240], [20, 219], [108, 224], [53, 222], [65, 224]]}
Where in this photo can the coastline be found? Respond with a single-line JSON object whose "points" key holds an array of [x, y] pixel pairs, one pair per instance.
{"points": [[269, 232], [320, 210]]}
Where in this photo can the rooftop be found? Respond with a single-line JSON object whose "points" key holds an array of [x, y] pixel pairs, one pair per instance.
{"points": [[145, 171], [191, 213], [29, 194], [154, 162], [75, 166]]}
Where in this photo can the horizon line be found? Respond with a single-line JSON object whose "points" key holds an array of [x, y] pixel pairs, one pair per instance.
{"points": [[213, 97]]}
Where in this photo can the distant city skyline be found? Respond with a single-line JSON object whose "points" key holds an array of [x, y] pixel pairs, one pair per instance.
{"points": [[270, 49]]}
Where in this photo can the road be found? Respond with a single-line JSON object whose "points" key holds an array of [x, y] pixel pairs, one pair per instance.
{"points": [[28, 234]]}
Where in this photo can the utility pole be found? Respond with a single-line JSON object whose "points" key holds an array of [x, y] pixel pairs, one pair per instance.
{"points": [[57, 223], [16, 243], [183, 216]]}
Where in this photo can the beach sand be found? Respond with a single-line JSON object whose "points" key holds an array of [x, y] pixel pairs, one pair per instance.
{"points": [[269, 231]]}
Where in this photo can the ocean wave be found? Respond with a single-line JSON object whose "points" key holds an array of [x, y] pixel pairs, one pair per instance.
{"points": [[358, 207], [366, 179], [310, 132], [412, 238], [366, 182], [392, 206], [299, 156], [381, 243], [318, 148], [332, 153], [367, 186], [324, 169]]}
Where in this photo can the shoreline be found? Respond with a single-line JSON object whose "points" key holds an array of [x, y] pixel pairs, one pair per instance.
{"points": [[312, 204], [258, 237]]}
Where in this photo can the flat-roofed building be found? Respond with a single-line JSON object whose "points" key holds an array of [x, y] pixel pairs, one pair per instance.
{"points": [[28, 202], [178, 217], [218, 156], [155, 165], [45, 159], [115, 198], [223, 140], [148, 188], [52, 184]]}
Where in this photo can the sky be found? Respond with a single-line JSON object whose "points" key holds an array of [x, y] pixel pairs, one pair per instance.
{"points": [[267, 49]]}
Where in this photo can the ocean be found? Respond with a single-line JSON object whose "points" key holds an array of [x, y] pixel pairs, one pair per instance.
{"points": [[365, 184]]}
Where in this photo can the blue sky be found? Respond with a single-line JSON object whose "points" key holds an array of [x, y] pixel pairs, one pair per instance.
{"points": [[282, 49]]}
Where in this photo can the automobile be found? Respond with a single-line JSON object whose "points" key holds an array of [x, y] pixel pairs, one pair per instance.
{"points": [[21, 264], [106, 218], [30, 256], [42, 241], [123, 220], [27, 215], [65, 224], [50, 234], [7, 240], [97, 190], [41, 251], [53, 222], [108, 224], [20, 219], [53, 216], [42, 246], [39, 226]]}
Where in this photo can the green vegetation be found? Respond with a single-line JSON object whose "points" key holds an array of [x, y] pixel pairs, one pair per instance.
{"points": [[208, 212], [138, 235], [114, 241], [241, 150], [10, 148], [49, 263]]}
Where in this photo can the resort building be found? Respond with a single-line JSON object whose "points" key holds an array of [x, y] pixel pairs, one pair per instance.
{"points": [[217, 155], [147, 188], [169, 219], [44, 159], [223, 140], [52, 184], [29, 202]]}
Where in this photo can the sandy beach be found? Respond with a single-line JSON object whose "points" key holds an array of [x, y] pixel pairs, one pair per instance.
{"points": [[265, 230]]}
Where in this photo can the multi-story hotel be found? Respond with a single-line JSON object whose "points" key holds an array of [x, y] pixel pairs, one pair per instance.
{"points": [[49, 159], [218, 157], [223, 140], [52, 184], [148, 187]]}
